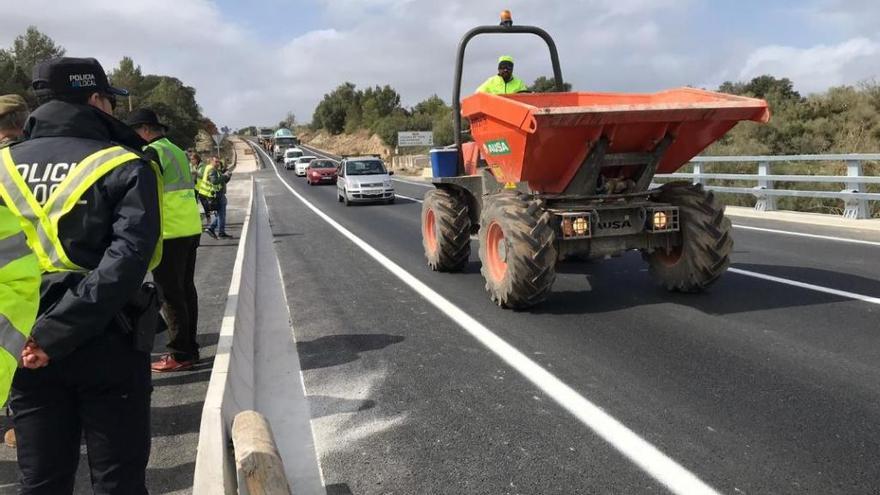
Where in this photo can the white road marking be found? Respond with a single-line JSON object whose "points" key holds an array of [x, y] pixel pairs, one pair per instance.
{"points": [[319, 153], [642, 453], [409, 198], [812, 236], [804, 285], [423, 184]]}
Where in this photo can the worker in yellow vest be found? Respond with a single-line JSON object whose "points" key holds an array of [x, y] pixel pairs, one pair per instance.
{"points": [[90, 206], [19, 296], [181, 230], [503, 83], [206, 190], [19, 270]]}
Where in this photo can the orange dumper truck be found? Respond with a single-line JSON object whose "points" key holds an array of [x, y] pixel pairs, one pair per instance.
{"points": [[562, 175]]}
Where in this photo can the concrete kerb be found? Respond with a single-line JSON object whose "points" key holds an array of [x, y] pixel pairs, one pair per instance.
{"points": [[230, 388], [823, 219]]}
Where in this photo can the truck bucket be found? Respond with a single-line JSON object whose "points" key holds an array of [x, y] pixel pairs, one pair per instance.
{"points": [[544, 138]]}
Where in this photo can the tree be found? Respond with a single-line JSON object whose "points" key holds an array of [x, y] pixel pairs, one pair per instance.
{"points": [[12, 78], [128, 76], [545, 84], [289, 121], [331, 112], [175, 103], [762, 87], [33, 47], [434, 105]]}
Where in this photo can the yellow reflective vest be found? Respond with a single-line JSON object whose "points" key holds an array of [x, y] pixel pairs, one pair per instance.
{"points": [[180, 210], [40, 223], [204, 186], [19, 296], [495, 85]]}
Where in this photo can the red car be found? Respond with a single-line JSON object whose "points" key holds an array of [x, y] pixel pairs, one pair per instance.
{"points": [[321, 171]]}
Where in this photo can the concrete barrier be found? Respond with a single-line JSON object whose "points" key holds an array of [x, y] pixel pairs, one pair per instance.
{"points": [[410, 164], [257, 368], [230, 389]]}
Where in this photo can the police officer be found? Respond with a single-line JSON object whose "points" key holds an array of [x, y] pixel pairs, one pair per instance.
{"points": [[91, 208], [19, 270], [13, 112], [181, 230], [503, 83]]}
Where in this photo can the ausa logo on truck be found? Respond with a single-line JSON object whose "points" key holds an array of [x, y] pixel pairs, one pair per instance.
{"points": [[498, 147]]}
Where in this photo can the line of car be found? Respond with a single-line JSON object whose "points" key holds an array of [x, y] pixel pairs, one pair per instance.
{"points": [[358, 179]]}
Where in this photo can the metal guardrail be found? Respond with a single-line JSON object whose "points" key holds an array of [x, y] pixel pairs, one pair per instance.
{"points": [[854, 194]]}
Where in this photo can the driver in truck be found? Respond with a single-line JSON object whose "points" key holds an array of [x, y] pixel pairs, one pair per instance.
{"points": [[504, 83]]}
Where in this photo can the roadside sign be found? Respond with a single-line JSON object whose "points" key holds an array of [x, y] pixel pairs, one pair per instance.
{"points": [[218, 138], [415, 138]]}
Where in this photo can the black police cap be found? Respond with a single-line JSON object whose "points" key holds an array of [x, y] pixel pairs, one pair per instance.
{"points": [[70, 76], [143, 116]]}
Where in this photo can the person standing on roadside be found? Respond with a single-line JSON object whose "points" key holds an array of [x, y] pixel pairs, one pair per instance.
{"points": [[205, 189], [96, 230], [181, 230], [218, 178], [13, 113], [19, 269]]}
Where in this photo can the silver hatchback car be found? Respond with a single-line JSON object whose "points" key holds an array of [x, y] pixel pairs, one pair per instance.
{"points": [[364, 179]]}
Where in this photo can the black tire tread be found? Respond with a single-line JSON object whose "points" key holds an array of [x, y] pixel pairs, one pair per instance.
{"points": [[706, 237], [453, 234], [531, 259]]}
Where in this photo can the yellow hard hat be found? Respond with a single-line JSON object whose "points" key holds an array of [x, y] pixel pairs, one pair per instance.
{"points": [[505, 58]]}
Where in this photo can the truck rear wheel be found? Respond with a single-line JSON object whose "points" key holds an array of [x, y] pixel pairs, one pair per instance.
{"points": [[706, 243], [446, 231], [518, 251]]}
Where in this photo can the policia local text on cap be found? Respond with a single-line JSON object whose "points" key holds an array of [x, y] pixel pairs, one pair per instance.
{"points": [[95, 229]]}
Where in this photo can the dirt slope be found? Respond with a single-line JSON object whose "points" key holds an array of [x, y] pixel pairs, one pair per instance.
{"points": [[346, 144]]}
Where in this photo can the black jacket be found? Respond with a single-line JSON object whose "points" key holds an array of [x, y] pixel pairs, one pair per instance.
{"points": [[112, 231]]}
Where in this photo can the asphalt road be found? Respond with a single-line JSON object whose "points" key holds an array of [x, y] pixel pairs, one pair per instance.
{"points": [[758, 386]]}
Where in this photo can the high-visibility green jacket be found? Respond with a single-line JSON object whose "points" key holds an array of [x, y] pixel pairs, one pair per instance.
{"points": [[205, 185], [497, 86], [180, 210], [40, 222], [19, 295]]}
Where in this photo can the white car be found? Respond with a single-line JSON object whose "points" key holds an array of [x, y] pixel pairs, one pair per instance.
{"points": [[302, 164], [363, 179], [291, 155]]}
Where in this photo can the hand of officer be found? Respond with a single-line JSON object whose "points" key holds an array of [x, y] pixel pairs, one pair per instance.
{"points": [[33, 356]]}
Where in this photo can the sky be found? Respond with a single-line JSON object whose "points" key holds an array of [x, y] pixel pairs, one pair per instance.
{"points": [[253, 61]]}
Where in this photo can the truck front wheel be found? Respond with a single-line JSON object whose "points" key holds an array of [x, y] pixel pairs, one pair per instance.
{"points": [[706, 243], [446, 231], [517, 249]]}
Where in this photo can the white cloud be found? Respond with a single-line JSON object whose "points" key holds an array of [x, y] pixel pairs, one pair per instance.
{"points": [[816, 68], [620, 45]]}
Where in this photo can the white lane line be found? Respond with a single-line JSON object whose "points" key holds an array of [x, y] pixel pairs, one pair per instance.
{"points": [[642, 453], [414, 183], [409, 198], [320, 153], [803, 285], [812, 236]]}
